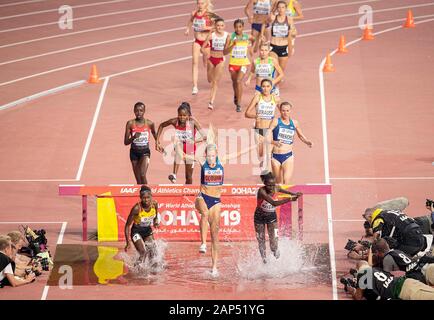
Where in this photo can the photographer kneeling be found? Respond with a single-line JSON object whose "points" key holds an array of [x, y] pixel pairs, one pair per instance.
{"points": [[401, 231], [375, 284], [6, 270], [396, 260]]}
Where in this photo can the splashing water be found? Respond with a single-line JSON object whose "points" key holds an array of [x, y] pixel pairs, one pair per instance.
{"points": [[150, 266], [292, 260]]}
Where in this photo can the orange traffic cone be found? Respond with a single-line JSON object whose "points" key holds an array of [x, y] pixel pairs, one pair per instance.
{"points": [[328, 67], [93, 75], [342, 48], [410, 20], [367, 35]]}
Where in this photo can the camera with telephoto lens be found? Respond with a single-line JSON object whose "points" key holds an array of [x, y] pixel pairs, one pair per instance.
{"points": [[350, 281], [36, 239], [429, 203], [352, 244]]}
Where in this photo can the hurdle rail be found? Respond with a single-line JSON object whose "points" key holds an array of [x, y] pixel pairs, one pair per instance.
{"points": [[129, 190]]}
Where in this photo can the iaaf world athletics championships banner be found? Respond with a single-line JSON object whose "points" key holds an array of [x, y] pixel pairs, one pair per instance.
{"points": [[179, 218]]}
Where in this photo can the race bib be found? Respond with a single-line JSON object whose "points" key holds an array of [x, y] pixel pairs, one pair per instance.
{"points": [[266, 111], [263, 70], [280, 31], [213, 176], [267, 207], [146, 221], [218, 44], [286, 135], [199, 25], [143, 140], [136, 237], [262, 8], [184, 136], [239, 52]]}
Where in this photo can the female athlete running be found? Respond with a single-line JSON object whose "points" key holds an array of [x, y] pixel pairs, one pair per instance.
{"points": [[137, 134], [265, 67], [282, 132], [185, 139], [216, 62], [261, 11], [262, 108], [265, 214], [282, 28], [201, 22], [143, 215], [238, 48]]}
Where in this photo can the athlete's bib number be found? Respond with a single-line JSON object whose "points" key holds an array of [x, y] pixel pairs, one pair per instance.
{"points": [[267, 207], [218, 44], [262, 8], [286, 135], [405, 258], [266, 111], [280, 31], [142, 140], [199, 25], [214, 177], [146, 221], [184, 135], [239, 52], [263, 71]]}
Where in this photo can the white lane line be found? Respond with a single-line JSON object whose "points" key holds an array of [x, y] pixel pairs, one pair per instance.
{"points": [[142, 35], [62, 232], [19, 3], [43, 94], [147, 20], [45, 293], [57, 9], [327, 181], [31, 222], [349, 220], [59, 241], [326, 160], [383, 178], [92, 128], [172, 45], [36, 180]]}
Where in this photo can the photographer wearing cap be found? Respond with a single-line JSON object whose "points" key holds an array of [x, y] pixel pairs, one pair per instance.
{"points": [[359, 250], [376, 284], [427, 222], [6, 271], [401, 231], [396, 260]]}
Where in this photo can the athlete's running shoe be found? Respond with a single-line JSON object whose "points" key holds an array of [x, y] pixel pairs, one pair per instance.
{"points": [[172, 177], [202, 248], [194, 91]]}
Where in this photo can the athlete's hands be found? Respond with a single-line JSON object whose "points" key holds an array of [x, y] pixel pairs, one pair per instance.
{"points": [[250, 19], [127, 246], [247, 83], [187, 31], [309, 144]]}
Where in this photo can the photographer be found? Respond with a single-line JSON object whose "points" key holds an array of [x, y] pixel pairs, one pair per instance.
{"points": [[359, 250], [375, 284], [401, 231], [396, 260], [427, 222], [6, 272]]}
